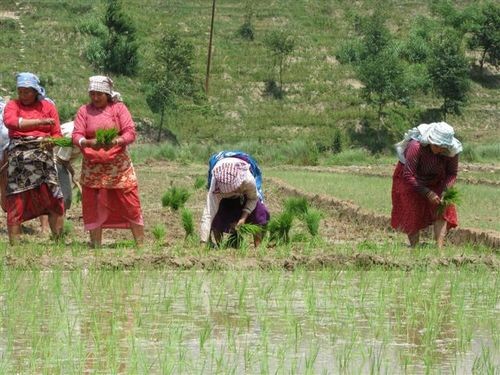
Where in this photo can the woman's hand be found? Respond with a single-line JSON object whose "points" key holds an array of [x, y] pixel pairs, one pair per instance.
{"points": [[118, 141], [47, 121], [89, 143], [433, 198]]}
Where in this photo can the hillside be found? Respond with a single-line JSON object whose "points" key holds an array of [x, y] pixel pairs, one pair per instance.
{"points": [[321, 94]]}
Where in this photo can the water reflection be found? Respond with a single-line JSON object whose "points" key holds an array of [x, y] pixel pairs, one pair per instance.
{"points": [[254, 322]]}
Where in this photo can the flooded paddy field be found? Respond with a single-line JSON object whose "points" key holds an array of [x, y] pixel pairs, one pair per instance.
{"points": [[328, 321]]}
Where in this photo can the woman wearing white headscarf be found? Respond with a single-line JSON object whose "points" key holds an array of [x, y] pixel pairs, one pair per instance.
{"points": [[110, 195], [428, 164]]}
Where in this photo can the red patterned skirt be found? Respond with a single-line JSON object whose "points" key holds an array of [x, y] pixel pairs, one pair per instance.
{"points": [[32, 203], [412, 211]]}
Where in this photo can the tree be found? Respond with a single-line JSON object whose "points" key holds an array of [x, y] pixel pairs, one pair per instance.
{"points": [[115, 50], [448, 71], [169, 75], [486, 34], [281, 44]]}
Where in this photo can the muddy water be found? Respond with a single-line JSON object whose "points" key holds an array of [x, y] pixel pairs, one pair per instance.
{"points": [[160, 321]]}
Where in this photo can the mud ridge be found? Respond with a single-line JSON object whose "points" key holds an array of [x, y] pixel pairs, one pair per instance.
{"points": [[223, 262], [367, 172], [353, 212]]}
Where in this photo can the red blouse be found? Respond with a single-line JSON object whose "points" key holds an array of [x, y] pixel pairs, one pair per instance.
{"points": [[14, 110], [424, 169]]}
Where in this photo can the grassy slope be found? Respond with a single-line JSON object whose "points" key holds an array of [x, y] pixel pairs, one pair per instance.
{"points": [[319, 97]]}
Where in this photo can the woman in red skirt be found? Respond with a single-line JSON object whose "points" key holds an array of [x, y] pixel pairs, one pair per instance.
{"points": [[110, 195], [32, 184], [428, 164]]}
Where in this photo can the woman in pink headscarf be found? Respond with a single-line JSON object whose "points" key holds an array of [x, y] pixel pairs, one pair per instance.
{"points": [[232, 200], [110, 196]]}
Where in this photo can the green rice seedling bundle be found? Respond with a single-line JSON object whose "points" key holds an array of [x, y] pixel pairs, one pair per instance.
{"points": [[279, 227], [312, 219], [451, 196], [199, 182], [298, 206], [248, 228], [61, 142], [106, 136], [159, 232], [187, 222], [175, 198]]}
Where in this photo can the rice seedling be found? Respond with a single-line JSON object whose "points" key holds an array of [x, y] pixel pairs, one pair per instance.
{"points": [[106, 136], [175, 197], [61, 141], [199, 183], [279, 227], [451, 196], [159, 232], [298, 206], [312, 218], [187, 222]]}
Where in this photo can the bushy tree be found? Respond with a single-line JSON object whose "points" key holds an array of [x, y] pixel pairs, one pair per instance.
{"points": [[169, 75], [485, 34], [448, 70], [281, 44], [115, 49]]}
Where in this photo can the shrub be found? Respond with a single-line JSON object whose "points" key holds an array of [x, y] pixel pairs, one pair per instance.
{"points": [[175, 198], [272, 89], [246, 31]]}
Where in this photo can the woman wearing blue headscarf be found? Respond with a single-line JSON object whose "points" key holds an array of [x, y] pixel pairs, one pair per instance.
{"points": [[32, 186], [428, 164]]}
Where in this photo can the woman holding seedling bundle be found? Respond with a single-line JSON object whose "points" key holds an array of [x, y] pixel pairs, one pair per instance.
{"points": [[234, 196], [32, 184], [428, 164], [110, 196]]}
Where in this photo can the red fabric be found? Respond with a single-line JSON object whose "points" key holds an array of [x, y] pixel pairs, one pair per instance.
{"points": [[114, 115], [412, 211], [41, 109], [111, 208], [101, 155], [31, 204]]}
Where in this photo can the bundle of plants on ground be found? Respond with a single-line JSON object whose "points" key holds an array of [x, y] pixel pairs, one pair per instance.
{"points": [[175, 198], [451, 196], [106, 136], [279, 227], [199, 182], [159, 232], [187, 222], [298, 206]]}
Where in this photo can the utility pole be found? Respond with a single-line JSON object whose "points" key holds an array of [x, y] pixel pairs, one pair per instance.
{"points": [[209, 58]]}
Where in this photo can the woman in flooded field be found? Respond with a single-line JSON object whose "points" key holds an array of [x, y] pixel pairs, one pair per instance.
{"points": [[110, 195], [234, 196], [32, 184], [428, 164]]}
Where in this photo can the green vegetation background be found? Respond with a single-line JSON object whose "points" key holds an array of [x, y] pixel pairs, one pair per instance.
{"points": [[321, 95]]}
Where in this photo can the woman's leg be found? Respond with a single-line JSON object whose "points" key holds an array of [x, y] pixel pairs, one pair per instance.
{"points": [[138, 233], [44, 223], [96, 237], [217, 236], [56, 223], [439, 232], [257, 239], [414, 238], [14, 233]]}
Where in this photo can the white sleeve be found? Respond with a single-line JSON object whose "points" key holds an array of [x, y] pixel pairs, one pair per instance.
{"points": [[250, 192], [209, 212]]}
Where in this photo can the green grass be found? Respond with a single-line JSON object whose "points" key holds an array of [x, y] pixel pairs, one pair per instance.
{"points": [[319, 100], [479, 208]]}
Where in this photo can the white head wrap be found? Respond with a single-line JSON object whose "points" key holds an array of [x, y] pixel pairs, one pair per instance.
{"points": [[104, 84], [437, 133]]}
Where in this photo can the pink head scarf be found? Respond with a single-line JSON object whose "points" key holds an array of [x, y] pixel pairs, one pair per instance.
{"points": [[229, 175]]}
